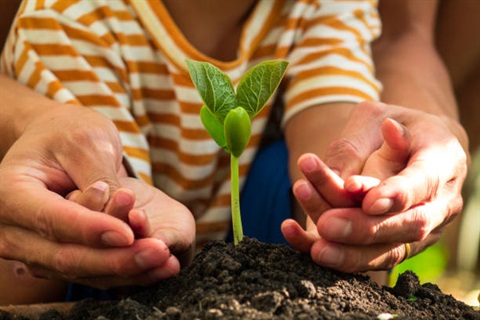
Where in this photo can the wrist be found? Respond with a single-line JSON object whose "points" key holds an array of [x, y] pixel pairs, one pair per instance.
{"points": [[20, 106], [460, 133]]}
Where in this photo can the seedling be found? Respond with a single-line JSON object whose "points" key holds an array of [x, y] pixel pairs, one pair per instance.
{"points": [[227, 114]]}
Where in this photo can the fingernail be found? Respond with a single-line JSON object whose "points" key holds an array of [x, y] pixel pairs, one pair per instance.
{"points": [[165, 271], [100, 185], [302, 191], [399, 126], [330, 256], [146, 258], [338, 228], [114, 239], [309, 164], [161, 273], [123, 199], [381, 206]]}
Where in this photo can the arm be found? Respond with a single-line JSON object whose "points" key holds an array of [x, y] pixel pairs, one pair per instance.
{"points": [[415, 201], [55, 147], [406, 60], [36, 220]]}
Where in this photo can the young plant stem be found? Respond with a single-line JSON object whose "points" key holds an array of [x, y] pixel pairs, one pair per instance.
{"points": [[236, 217]]}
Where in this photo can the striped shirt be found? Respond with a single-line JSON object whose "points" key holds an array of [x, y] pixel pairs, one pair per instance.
{"points": [[126, 59]]}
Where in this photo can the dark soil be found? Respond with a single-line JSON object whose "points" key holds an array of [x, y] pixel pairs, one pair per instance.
{"points": [[262, 281]]}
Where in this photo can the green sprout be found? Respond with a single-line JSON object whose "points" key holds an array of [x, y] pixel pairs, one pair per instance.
{"points": [[227, 115]]}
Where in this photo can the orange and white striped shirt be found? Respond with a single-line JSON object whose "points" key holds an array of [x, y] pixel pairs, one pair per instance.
{"points": [[126, 59]]}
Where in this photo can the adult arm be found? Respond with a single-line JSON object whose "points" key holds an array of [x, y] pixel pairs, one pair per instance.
{"points": [[415, 203], [47, 154]]}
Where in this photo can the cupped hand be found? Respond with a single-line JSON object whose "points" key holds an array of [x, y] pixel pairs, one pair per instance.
{"points": [[69, 147], [65, 148], [152, 215], [156, 215], [405, 189]]}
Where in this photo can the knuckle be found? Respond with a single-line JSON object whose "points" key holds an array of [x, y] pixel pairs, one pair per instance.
{"points": [[119, 268], [421, 225], [372, 234], [433, 184], [64, 262], [403, 196], [43, 223], [83, 137], [395, 256], [122, 266], [343, 148]]}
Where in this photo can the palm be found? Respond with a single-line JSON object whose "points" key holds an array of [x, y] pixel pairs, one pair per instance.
{"points": [[170, 220]]}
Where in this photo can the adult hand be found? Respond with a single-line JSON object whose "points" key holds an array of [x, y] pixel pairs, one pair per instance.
{"points": [[55, 154], [168, 224], [361, 224], [150, 213]]}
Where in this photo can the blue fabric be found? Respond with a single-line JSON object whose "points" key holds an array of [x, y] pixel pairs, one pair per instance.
{"points": [[76, 292], [265, 202], [266, 198]]}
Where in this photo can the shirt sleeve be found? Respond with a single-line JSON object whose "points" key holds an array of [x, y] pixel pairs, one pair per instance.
{"points": [[65, 51], [331, 59]]}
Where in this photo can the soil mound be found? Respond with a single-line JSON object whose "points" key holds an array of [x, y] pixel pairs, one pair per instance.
{"points": [[255, 280]]}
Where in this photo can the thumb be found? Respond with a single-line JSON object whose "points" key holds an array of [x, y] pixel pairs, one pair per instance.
{"points": [[394, 153], [98, 159], [387, 161], [360, 138]]}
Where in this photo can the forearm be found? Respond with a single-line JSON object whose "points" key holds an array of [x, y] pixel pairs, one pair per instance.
{"points": [[413, 76], [18, 107], [408, 65]]}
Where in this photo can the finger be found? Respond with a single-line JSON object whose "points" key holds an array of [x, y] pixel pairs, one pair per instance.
{"points": [[325, 181], [348, 154], [169, 269], [98, 150], [398, 142], [120, 204], [360, 185], [72, 196], [94, 197], [394, 153], [180, 239], [74, 261], [353, 226], [309, 199], [55, 218], [298, 238], [429, 174], [385, 162], [139, 222], [412, 186], [352, 259]]}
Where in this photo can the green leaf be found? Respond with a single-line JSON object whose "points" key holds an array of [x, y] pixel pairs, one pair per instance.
{"points": [[213, 126], [214, 86], [259, 84], [237, 130]]}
